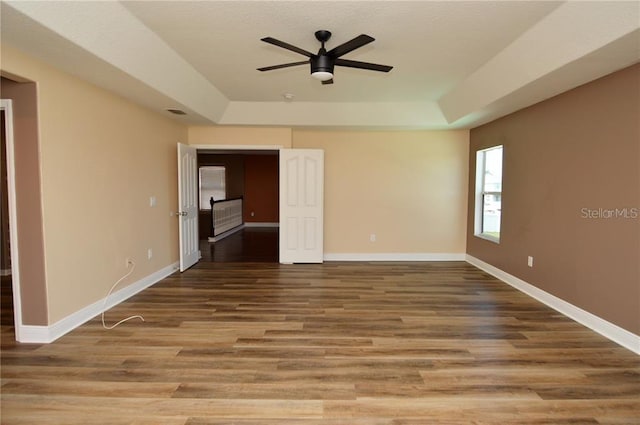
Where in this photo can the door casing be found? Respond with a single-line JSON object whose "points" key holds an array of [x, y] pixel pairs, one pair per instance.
{"points": [[7, 107], [248, 148]]}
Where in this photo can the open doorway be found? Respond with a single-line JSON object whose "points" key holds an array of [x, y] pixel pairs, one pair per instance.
{"points": [[6, 290], [252, 176], [28, 297]]}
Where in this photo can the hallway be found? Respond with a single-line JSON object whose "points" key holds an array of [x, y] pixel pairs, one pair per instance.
{"points": [[249, 245]]}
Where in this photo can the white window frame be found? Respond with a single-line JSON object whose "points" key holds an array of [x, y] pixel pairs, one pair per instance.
{"points": [[481, 193]]}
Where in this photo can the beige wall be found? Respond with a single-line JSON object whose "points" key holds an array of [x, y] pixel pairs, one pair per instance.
{"points": [[216, 135], [406, 187], [579, 150], [101, 158]]}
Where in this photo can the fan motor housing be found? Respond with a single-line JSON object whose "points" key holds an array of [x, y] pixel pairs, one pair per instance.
{"points": [[322, 63]]}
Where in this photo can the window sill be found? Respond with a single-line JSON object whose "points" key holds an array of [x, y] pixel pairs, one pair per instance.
{"points": [[489, 238]]}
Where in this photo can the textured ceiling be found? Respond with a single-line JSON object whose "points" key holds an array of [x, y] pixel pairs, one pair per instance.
{"points": [[456, 64], [432, 45]]}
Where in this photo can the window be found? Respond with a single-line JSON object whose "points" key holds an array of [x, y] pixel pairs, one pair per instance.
{"points": [[488, 193], [212, 185]]}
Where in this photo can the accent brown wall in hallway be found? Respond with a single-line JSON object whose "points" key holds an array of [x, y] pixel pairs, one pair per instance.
{"points": [[571, 196], [261, 188]]}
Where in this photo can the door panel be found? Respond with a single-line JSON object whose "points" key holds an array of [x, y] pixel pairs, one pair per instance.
{"points": [[301, 205], [310, 235], [188, 205]]}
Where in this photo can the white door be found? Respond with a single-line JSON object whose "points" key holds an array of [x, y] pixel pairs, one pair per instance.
{"points": [[301, 205], [188, 205]]}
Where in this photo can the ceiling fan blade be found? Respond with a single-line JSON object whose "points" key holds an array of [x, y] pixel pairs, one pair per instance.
{"points": [[350, 45], [284, 65], [363, 65], [287, 46], [328, 82]]}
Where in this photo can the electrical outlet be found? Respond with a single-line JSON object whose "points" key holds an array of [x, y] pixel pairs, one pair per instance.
{"points": [[372, 237], [152, 201], [530, 261], [149, 253]]}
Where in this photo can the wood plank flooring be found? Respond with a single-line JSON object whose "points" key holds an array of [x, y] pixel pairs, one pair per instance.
{"points": [[249, 245], [331, 344]]}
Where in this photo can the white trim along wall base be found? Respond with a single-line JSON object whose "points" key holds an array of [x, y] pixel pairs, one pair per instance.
{"points": [[47, 334], [260, 224], [629, 340], [607, 329], [395, 256]]}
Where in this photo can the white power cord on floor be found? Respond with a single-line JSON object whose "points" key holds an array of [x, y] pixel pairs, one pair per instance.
{"points": [[133, 266]]}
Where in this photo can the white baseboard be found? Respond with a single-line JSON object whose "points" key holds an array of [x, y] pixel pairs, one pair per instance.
{"points": [[607, 329], [395, 256], [260, 224], [47, 334], [225, 234]]}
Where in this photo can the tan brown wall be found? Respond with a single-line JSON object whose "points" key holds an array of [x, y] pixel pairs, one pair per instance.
{"points": [[101, 159], [579, 150], [33, 286], [406, 187], [261, 189]]}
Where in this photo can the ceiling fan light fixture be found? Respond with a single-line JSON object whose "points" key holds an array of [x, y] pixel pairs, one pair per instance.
{"points": [[322, 75], [322, 67], [324, 61]]}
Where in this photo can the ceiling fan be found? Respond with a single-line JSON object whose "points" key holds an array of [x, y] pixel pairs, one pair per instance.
{"points": [[323, 62]]}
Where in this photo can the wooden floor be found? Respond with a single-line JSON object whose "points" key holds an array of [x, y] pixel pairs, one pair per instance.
{"points": [[251, 244], [332, 344]]}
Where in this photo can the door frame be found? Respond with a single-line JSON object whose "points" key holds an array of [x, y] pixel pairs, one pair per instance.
{"points": [[6, 105], [239, 147], [200, 148]]}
